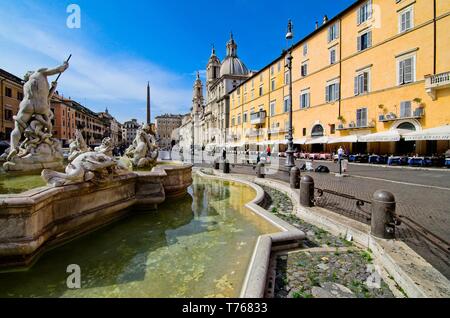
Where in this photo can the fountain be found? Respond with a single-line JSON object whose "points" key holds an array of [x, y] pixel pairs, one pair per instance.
{"points": [[93, 190]]}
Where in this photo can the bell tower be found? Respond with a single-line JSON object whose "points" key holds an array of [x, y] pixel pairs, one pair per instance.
{"points": [[213, 68]]}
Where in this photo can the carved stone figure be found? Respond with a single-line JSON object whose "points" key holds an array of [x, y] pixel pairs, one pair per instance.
{"points": [[34, 122], [89, 166], [106, 147], [78, 146], [143, 152]]}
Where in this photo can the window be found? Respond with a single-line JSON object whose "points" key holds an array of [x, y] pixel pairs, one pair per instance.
{"points": [[286, 78], [272, 70], [406, 19], [304, 131], [406, 70], [279, 66], [332, 129], [245, 117], [19, 95], [304, 99], [362, 83], [361, 117], [8, 92], [364, 12], [286, 104], [239, 119], [304, 69], [8, 114], [272, 108], [365, 40], [333, 32], [405, 109], [261, 91], [332, 92], [332, 56], [273, 84], [232, 121], [305, 49]]}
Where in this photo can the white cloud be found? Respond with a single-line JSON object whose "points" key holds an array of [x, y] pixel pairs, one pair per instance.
{"points": [[116, 81]]}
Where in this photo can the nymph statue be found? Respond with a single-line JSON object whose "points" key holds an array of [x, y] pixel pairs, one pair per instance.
{"points": [[143, 153], [78, 146]]}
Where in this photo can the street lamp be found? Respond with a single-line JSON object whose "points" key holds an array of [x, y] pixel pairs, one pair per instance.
{"points": [[193, 145], [290, 151]]}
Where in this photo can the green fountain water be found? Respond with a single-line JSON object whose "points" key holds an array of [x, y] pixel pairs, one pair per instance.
{"points": [[196, 246], [17, 183]]}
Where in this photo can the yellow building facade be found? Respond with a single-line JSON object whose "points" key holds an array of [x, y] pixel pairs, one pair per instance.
{"points": [[379, 66]]}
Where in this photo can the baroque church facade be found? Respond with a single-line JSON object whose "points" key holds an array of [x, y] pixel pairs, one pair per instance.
{"points": [[209, 120]]}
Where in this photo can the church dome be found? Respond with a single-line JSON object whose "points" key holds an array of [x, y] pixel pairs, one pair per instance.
{"points": [[232, 65]]}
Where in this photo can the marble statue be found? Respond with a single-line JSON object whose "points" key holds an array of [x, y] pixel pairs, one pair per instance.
{"points": [[89, 166], [33, 123], [143, 152], [106, 147], [78, 146]]}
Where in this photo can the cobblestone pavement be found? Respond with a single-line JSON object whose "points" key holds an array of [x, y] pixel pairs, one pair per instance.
{"points": [[327, 261], [430, 207]]}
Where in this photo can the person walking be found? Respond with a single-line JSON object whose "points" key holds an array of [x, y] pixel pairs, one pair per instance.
{"points": [[269, 152]]}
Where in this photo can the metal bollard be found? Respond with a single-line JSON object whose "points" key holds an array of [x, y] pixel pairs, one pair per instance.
{"points": [[226, 166], [307, 191], [216, 164], [295, 178], [384, 219], [260, 173]]}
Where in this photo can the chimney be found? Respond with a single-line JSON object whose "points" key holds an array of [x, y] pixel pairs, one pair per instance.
{"points": [[325, 19], [317, 25]]}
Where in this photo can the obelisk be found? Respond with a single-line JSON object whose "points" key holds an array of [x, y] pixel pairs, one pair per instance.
{"points": [[149, 119]]}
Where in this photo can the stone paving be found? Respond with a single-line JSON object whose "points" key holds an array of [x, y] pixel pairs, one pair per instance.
{"points": [[427, 206], [330, 267]]}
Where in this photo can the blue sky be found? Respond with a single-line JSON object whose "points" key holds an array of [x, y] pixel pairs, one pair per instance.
{"points": [[123, 44]]}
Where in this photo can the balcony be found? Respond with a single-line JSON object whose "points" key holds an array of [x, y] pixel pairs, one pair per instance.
{"points": [[418, 113], [433, 83], [354, 126], [258, 118]]}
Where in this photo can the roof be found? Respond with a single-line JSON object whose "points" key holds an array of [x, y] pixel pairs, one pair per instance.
{"points": [[303, 40], [11, 77]]}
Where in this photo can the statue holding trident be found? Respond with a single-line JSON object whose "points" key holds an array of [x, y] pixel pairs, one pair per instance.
{"points": [[35, 111]]}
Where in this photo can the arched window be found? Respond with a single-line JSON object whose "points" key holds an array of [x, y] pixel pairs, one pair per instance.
{"points": [[407, 126], [317, 131]]}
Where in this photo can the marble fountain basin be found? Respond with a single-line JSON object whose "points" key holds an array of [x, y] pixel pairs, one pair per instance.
{"points": [[40, 218]]}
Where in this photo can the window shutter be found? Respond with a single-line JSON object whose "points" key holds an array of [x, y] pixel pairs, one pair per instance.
{"points": [[358, 17], [369, 9], [337, 30], [327, 93], [337, 88], [407, 20], [359, 43], [401, 77], [369, 39], [408, 71], [366, 82], [329, 34], [356, 86]]}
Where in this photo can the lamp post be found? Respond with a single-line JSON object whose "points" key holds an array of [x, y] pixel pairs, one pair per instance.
{"points": [[193, 145], [290, 151]]}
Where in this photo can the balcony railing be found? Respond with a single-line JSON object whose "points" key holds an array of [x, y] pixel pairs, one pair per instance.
{"points": [[416, 114], [355, 125], [258, 118], [436, 82]]}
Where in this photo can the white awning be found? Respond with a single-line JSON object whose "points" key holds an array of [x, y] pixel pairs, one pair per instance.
{"points": [[300, 141], [384, 136], [319, 141], [437, 133], [345, 139]]}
